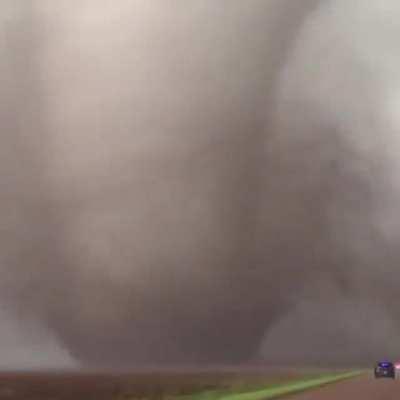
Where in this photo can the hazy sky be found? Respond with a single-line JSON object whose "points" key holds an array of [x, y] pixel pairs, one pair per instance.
{"points": [[28, 345], [183, 181]]}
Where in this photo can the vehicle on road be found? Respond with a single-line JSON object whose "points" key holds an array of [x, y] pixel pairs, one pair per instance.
{"points": [[385, 369]]}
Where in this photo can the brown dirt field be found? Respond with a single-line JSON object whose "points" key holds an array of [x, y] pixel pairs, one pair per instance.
{"points": [[145, 385], [362, 388]]}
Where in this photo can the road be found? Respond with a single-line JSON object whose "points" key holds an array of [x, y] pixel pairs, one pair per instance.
{"points": [[365, 387]]}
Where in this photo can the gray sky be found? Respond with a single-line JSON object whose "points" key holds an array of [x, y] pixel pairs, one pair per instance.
{"points": [[28, 345]]}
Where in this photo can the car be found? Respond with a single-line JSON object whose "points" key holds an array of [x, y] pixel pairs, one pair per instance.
{"points": [[385, 369]]}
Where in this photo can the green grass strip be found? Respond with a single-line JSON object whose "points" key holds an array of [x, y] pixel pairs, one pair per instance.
{"points": [[290, 388], [272, 391]]}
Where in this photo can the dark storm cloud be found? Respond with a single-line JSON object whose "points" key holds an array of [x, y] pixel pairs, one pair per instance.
{"points": [[170, 195]]}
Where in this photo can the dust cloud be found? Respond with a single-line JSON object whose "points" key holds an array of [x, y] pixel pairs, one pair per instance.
{"points": [[180, 177]]}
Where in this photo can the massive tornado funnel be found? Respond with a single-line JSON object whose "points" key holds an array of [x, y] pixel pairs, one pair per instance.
{"points": [[178, 178]]}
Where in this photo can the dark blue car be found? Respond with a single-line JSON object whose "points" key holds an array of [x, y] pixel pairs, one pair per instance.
{"points": [[385, 369]]}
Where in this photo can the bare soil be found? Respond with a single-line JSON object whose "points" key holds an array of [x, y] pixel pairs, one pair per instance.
{"points": [[137, 385], [363, 388]]}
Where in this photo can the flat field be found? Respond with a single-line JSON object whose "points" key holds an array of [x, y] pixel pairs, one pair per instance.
{"points": [[138, 385]]}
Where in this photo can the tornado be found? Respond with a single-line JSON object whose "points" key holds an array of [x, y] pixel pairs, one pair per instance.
{"points": [[181, 179]]}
